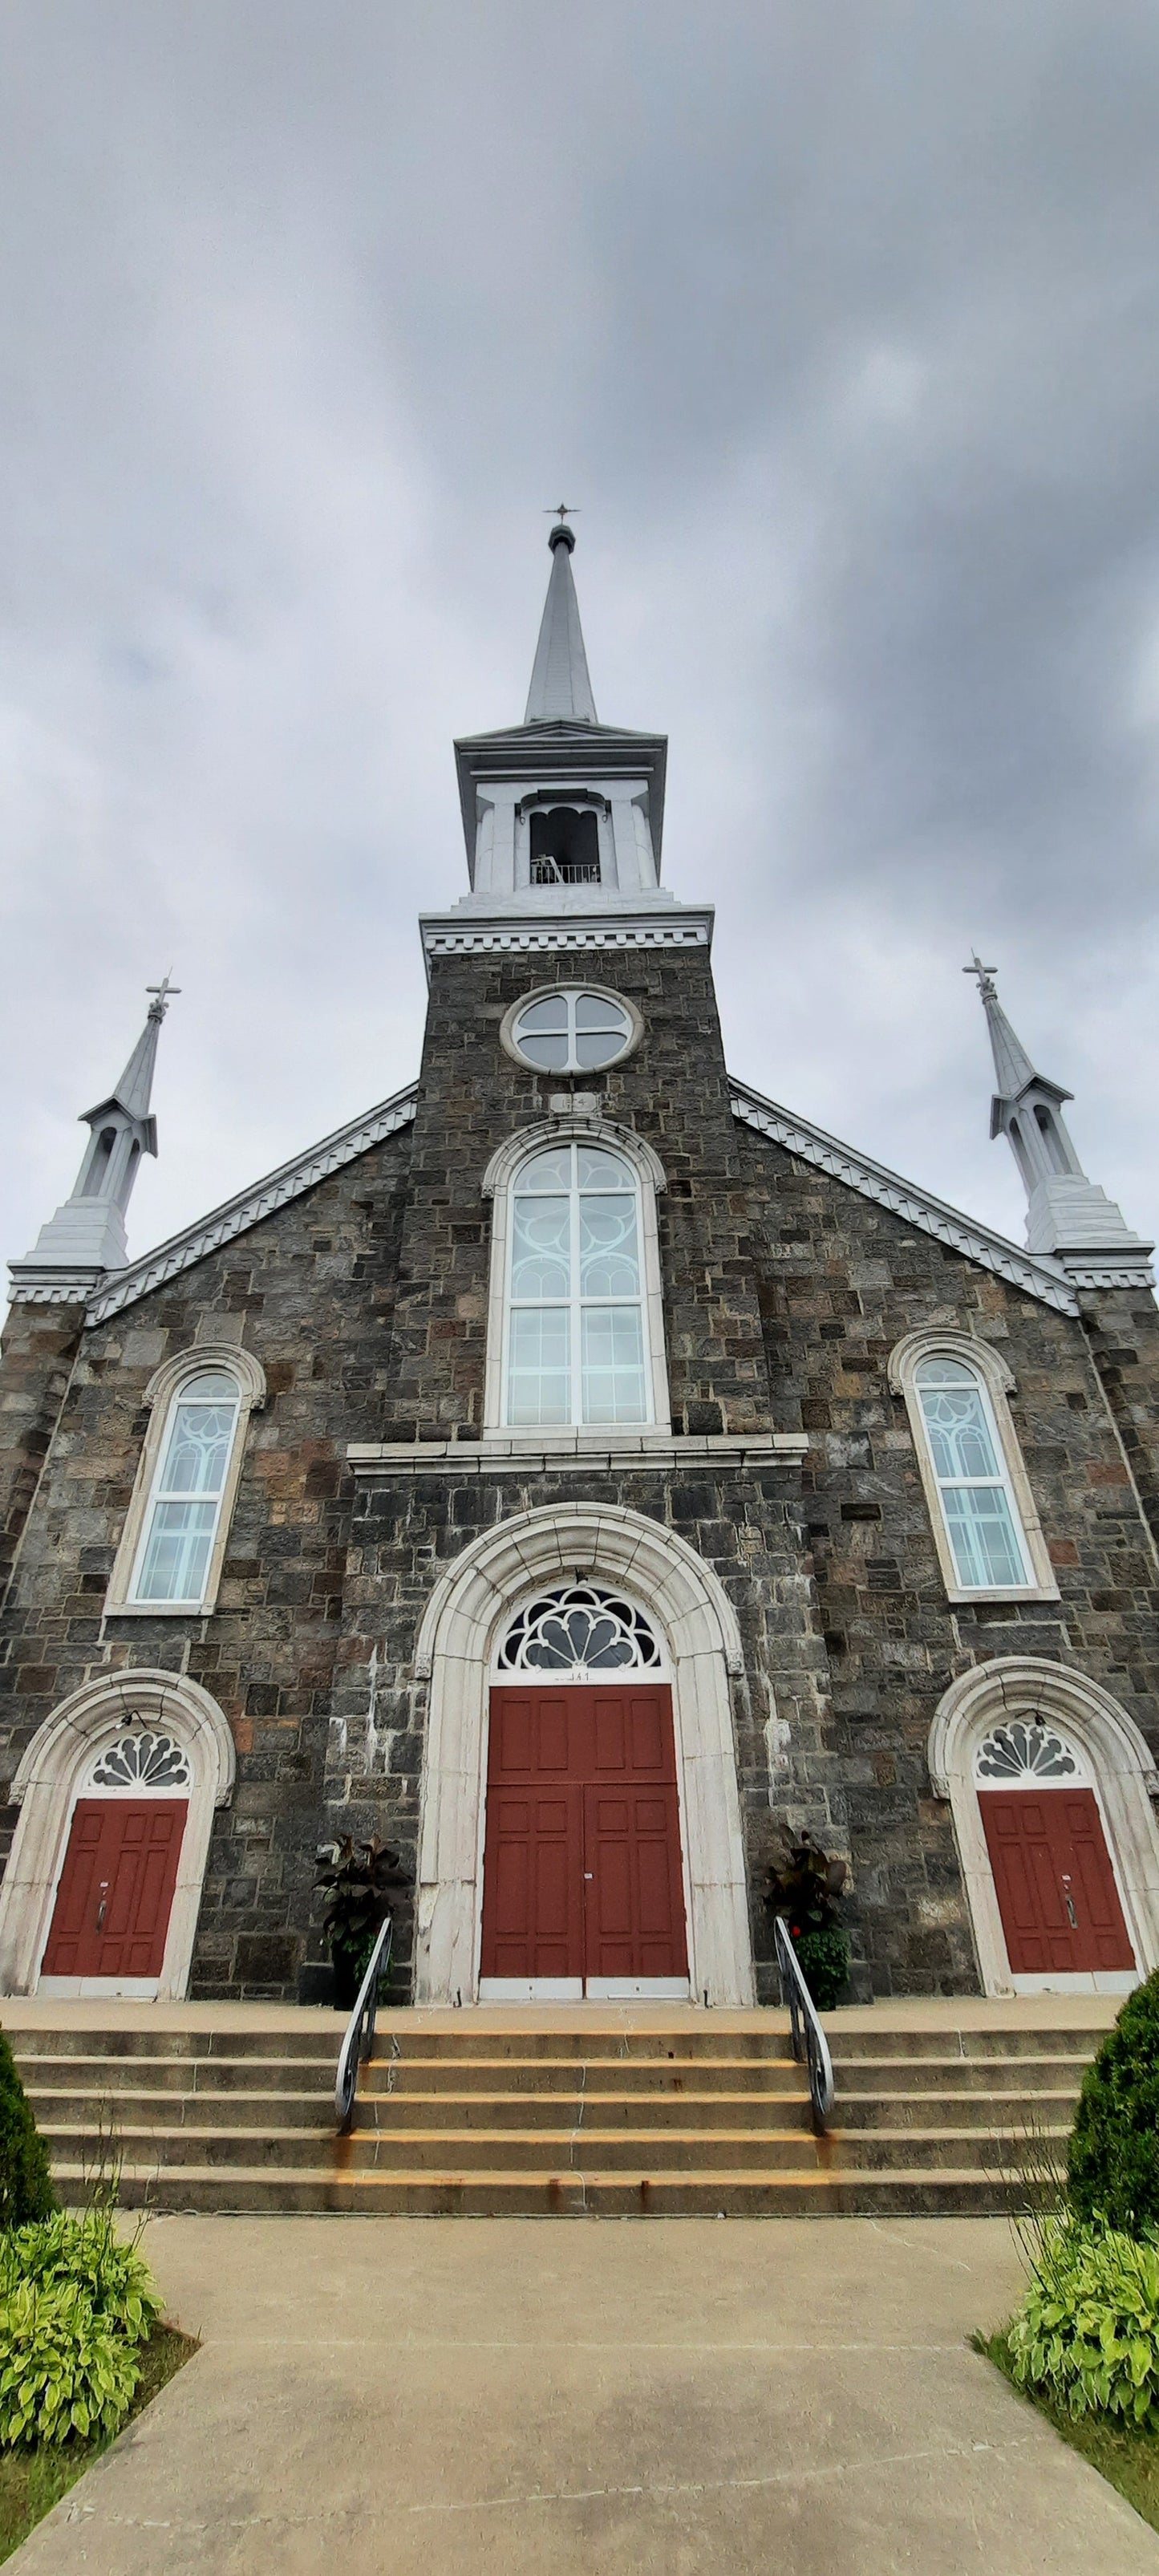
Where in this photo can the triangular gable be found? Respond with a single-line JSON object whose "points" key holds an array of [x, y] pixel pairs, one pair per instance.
{"points": [[290, 1181], [1039, 1277]]}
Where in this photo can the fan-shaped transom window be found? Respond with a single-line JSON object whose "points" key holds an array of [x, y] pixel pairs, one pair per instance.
{"points": [[1027, 1753], [576, 1348], [183, 1510], [142, 1759], [973, 1480], [572, 1031], [579, 1632]]}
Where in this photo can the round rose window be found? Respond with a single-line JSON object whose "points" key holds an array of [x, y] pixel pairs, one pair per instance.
{"points": [[571, 1030]]}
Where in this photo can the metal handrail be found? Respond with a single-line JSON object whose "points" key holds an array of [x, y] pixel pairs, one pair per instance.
{"points": [[807, 2038], [359, 2040]]}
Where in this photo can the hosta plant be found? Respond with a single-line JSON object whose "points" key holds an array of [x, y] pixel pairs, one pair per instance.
{"points": [[1087, 2331], [63, 2369], [88, 2253]]}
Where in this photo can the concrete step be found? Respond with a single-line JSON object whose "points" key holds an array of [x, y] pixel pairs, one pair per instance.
{"points": [[708, 2193]]}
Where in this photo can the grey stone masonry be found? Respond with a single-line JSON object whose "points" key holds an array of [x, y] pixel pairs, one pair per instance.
{"points": [[841, 1280], [673, 1091]]}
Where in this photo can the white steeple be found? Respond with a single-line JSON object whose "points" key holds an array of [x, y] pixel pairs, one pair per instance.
{"points": [[560, 686], [562, 815], [1067, 1215], [87, 1234]]}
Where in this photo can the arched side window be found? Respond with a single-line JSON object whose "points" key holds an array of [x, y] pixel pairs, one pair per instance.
{"points": [[173, 1543], [986, 1527], [576, 1326]]}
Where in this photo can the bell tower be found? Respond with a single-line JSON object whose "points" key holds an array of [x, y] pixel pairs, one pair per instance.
{"points": [[563, 816]]}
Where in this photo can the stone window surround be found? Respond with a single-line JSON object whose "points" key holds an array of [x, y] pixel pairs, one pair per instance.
{"points": [[935, 1341], [53, 1772], [1120, 1765], [161, 1395], [498, 1179], [468, 1613], [546, 993]]}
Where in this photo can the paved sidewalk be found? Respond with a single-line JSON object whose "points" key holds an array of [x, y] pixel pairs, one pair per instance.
{"points": [[665, 2398]]}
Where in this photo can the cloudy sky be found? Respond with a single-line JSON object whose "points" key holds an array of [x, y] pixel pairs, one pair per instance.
{"points": [[838, 322]]}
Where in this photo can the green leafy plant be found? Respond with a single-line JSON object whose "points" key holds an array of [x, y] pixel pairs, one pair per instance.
{"points": [[363, 1880], [63, 2368], [1086, 2333], [805, 1887], [25, 2181], [1113, 2157], [824, 1958], [87, 2254]]}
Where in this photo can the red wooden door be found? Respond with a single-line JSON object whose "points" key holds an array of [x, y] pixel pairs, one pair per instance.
{"points": [[1056, 1887], [116, 1888], [582, 1868]]}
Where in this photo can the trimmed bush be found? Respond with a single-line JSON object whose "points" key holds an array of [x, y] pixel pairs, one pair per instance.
{"points": [[25, 2181], [63, 2369], [1087, 2331], [1113, 2156]]}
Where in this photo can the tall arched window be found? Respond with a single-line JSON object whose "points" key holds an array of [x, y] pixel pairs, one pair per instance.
{"points": [[173, 1541], [185, 1506], [576, 1344], [987, 1529]]}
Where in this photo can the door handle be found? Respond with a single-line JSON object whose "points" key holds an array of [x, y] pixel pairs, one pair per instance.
{"points": [[103, 1903], [1068, 1901], [589, 1873]]}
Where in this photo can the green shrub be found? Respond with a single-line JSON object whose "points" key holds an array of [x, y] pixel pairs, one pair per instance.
{"points": [[1087, 2332], [63, 2370], [86, 2252], [25, 2182], [824, 1958], [1113, 2157]]}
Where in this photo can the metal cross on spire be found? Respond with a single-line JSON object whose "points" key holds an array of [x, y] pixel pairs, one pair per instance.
{"points": [[562, 510], [985, 974], [158, 1008]]}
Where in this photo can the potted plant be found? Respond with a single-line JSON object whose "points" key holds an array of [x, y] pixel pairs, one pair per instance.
{"points": [[363, 1880], [805, 1886]]}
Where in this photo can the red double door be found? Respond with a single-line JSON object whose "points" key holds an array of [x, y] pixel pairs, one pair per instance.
{"points": [[116, 1888], [582, 1875], [1056, 1887]]}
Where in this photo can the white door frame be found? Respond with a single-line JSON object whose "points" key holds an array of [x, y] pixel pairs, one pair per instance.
{"points": [[51, 1776], [1125, 1780], [464, 1619]]}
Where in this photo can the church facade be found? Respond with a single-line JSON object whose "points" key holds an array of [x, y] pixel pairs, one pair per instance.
{"points": [[582, 1473]]}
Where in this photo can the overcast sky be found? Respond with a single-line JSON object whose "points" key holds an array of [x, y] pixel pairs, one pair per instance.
{"points": [[840, 325]]}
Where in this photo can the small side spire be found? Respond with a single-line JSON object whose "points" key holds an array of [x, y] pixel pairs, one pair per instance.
{"points": [[561, 690], [87, 1234], [1068, 1216]]}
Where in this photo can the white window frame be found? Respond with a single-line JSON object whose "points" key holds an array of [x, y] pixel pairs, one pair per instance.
{"points": [[498, 1184], [162, 1395], [995, 1384], [572, 993]]}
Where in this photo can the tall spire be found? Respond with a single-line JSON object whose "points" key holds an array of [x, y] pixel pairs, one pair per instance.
{"points": [[87, 1234], [560, 688], [1067, 1215]]}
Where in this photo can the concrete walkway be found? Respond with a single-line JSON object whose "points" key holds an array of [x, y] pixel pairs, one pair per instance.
{"points": [[665, 2398]]}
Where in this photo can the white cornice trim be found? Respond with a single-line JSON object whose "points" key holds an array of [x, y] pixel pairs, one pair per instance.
{"points": [[290, 1181], [1029, 1271], [590, 1452], [445, 936]]}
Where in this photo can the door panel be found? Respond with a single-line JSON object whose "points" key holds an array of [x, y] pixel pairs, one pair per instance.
{"points": [[122, 1856], [1045, 1849], [598, 1892]]}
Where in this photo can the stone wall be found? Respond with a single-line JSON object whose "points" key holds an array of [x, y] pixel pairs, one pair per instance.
{"points": [[840, 1281], [310, 1291]]}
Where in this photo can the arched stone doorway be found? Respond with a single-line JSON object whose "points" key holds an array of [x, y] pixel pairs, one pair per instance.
{"points": [[139, 1744], [690, 1615], [1050, 1784]]}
